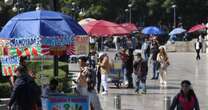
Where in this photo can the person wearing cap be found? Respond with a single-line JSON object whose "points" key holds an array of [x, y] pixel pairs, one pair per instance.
{"points": [[104, 69], [162, 58]]}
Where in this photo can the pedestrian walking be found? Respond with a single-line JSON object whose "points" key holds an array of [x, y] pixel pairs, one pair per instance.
{"points": [[92, 43], [105, 67], [24, 86], [37, 88], [82, 77], [198, 46], [116, 41], [124, 57], [93, 97], [129, 68], [140, 70], [98, 74], [162, 58], [146, 49], [155, 63], [186, 98]]}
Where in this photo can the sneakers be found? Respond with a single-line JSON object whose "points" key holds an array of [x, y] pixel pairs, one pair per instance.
{"points": [[104, 93], [163, 84]]}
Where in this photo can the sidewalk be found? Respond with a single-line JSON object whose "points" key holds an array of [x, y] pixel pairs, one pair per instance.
{"points": [[183, 66]]}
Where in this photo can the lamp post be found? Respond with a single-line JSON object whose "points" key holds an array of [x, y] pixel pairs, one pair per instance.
{"points": [[174, 15], [126, 15], [130, 5]]}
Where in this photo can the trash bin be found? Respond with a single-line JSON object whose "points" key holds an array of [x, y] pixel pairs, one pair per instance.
{"points": [[167, 102], [117, 102]]}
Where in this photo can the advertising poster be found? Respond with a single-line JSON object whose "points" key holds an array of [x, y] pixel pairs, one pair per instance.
{"points": [[9, 64], [81, 45], [66, 103]]}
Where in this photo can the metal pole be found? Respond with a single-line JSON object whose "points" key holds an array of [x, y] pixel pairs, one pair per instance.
{"points": [[55, 57], [117, 102], [174, 9], [167, 102], [130, 14]]}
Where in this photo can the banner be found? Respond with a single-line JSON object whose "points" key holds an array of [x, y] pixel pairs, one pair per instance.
{"points": [[37, 41], [81, 45], [4, 42], [9, 64], [66, 103], [29, 51], [57, 40]]}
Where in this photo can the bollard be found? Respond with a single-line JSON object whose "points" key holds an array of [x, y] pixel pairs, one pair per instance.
{"points": [[117, 102], [167, 102]]}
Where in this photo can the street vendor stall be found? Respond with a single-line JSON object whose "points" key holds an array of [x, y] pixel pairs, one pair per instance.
{"points": [[40, 33]]}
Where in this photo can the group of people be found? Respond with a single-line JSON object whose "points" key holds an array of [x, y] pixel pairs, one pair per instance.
{"points": [[27, 95], [93, 79], [135, 70]]}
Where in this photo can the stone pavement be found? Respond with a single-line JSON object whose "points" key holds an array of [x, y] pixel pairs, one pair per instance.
{"points": [[183, 66]]}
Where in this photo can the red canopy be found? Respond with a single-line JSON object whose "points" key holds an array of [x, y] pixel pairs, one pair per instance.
{"points": [[129, 26], [197, 28], [104, 28]]}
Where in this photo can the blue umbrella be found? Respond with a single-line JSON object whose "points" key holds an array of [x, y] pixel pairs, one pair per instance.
{"points": [[41, 23], [152, 30], [177, 31]]}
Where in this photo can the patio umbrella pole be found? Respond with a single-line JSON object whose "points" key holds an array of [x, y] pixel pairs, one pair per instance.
{"points": [[55, 60]]}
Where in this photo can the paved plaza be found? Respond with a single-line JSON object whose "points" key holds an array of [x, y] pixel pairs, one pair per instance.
{"points": [[183, 66]]}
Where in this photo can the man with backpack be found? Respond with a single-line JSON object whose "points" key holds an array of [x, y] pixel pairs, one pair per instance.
{"points": [[25, 94]]}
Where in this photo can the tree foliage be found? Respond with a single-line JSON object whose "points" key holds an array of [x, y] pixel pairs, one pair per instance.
{"points": [[144, 12]]}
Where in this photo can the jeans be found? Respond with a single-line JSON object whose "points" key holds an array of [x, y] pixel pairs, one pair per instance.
{"points": [[141, 85], [155, 70], [146, 56], [134, 77], [124, 72]]}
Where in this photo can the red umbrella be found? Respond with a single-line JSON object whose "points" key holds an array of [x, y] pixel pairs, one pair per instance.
{"points": [[129, 26], [104, 28], [197, 28]]}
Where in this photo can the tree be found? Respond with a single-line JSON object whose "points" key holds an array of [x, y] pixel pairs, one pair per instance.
{"points": [[144, 12]]}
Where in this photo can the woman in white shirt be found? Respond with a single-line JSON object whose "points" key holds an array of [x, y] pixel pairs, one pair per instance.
{"points": [[162, 58]]}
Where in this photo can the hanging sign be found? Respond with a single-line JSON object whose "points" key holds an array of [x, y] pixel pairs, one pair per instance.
{"points": [[9, 64], [82, 45]]}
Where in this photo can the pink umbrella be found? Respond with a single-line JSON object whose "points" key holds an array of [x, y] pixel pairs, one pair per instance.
{"points": [[197, 28], [129, 26], [104, 28], [86, 21]]}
